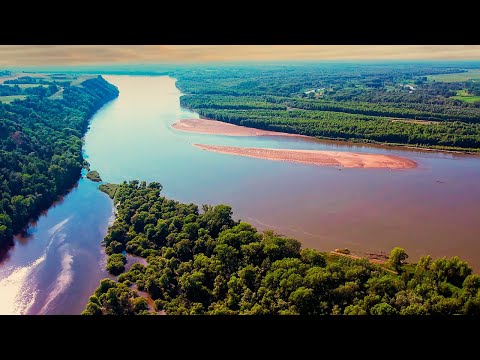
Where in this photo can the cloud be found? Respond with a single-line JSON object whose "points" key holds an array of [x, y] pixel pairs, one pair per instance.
{"points": [[33, 55]]}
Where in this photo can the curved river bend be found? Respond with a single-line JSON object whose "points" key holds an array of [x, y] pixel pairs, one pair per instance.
{"points": [[432, 209]]}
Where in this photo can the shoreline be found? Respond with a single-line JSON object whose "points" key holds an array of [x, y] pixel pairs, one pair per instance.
{"points": [[317, 157], [216, 127]]}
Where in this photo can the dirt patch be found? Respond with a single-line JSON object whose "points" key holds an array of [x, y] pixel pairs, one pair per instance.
{"points": [[318, 157], [422, 122], [372, 260], [215, 127]]}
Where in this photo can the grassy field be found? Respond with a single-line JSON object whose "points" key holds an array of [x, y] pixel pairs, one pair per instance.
{"points": [[109, 189], [25, 86], [17, 75], [57, 96], [75, 80], [78, 81], [423, 122], [458, 77], [463, 95], [8, 99]]}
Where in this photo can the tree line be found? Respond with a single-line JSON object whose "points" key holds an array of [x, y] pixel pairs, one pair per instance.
{"points": [[40, 150], [201, 261], [361, 103]]}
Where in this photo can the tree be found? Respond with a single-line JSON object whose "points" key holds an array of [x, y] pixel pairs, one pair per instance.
{"points": [[397, 258], [303, 299], [383, 309], [313, 257], [92, 309], [116, 264]]}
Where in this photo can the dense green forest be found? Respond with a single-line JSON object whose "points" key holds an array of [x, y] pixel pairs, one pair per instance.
{"points": [[204, 262], [41, 143], [373, 103]]}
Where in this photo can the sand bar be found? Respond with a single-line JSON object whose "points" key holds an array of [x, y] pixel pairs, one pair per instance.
{"points": [[215, 127], [318, 157]]}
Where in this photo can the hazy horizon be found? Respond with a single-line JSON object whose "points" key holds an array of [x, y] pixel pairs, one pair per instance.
{"points": [[20, 56]]}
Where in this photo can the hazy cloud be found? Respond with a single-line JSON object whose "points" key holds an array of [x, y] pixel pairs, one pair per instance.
{"points": [[32, 55]]}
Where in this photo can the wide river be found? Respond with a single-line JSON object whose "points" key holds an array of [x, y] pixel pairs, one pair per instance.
{"points": [[433, 209]]}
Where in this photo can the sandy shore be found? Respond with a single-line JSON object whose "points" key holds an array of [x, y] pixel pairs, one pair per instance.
{"points": [[215, 127], [318, 157]]}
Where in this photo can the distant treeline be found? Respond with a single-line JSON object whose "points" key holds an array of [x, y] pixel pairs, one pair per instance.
{"points": [[343, 125], [344, 103]]}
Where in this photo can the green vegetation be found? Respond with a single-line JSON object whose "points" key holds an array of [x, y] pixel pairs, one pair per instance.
{"points": [[397, 258], [356, 104], [116, 264], [464, 95], [11, 98], [94, 176], [58, 95], [40, 147], [207, 263], [25, 86], [112, 298], [109, 189], [473, 74]]}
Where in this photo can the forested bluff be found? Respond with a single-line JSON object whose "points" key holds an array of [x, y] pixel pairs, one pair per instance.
{"points": [[41, 144]]}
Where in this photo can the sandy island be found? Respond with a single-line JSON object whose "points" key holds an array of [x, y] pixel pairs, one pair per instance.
{"points": [[215, 127], [318, 157]]}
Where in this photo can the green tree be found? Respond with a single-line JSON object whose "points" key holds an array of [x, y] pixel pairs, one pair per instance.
{"points": [[397, 258], [116, 264], [383, 309]]}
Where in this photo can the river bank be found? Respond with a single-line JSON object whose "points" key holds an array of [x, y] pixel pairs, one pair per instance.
{"points": [[431, 209]]}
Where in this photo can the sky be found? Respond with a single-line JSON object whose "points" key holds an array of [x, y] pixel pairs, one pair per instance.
{"points": [[45, 55]]}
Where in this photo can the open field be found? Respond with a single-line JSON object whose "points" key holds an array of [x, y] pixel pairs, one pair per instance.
{"points": [[423, 122], [109, 189], [18, 75], [463, 95], [78, 81], [8, 99], [457, 77], [468, 99], [26, 86], [75, 80], [58, 95]]}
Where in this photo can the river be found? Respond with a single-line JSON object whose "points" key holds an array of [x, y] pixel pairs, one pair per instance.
{"points": [[432, 209]]}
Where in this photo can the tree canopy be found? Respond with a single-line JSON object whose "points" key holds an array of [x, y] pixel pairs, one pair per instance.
{"points": [[204, 262], [41, 147], [375, 103]]}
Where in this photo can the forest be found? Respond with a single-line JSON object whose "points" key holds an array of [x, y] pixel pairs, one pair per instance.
{"points": [[201, 261], [41, 145], [394, 104]]}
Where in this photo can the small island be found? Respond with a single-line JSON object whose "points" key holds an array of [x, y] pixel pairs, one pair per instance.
{"points": [[94, 176], [317, 157]]}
